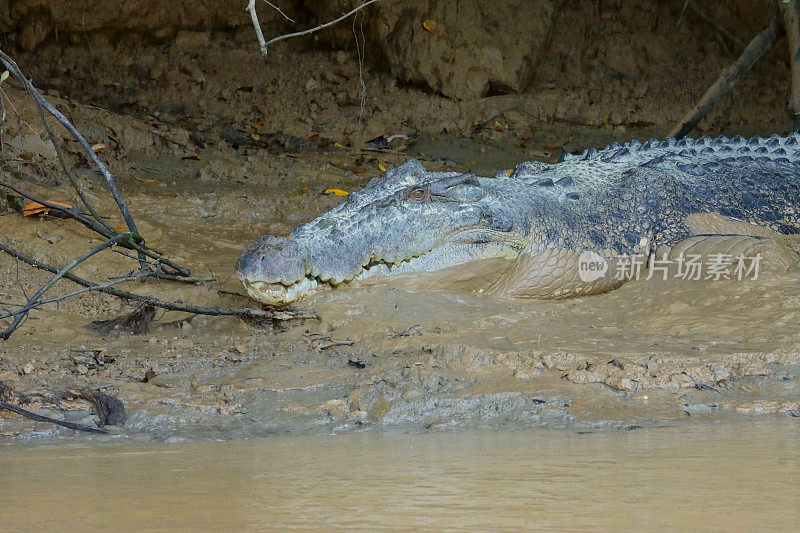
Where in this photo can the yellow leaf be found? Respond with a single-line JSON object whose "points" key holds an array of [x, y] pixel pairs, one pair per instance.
{"points": [[509, 172], [146, 180], [336, 192], [340, 145], [380, 166], [120, 228], [431, 25], [302, 190]]}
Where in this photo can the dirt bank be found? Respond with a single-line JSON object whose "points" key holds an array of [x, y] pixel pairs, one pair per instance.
{"points": [[215, 145]]}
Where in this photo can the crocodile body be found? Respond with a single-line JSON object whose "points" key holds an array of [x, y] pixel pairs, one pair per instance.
{"points": [[523, 235]]}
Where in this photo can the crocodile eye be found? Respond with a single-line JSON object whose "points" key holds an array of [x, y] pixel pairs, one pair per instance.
{"points": [[418, 193]]}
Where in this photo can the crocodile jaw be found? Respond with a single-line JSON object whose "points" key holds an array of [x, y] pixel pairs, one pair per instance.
{"points": [[278, 293], [438, 259]]}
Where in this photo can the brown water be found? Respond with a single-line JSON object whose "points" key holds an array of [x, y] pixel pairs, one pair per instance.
{"points": [[708, 476]]}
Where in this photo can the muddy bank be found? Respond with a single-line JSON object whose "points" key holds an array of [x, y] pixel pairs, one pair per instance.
{"points": [[382, 357], [212, 152]]}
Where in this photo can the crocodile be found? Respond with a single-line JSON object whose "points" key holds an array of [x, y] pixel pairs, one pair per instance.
{"points": [[528, 233]]}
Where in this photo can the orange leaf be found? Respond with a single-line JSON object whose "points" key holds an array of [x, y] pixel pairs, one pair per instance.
{"points": [[35, 208], [96, 147]]}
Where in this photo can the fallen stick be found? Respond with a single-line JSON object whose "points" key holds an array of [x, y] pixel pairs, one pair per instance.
{"points": [[791, 21], [21, 314], [40, 418], [752, 53], [169, 306]]}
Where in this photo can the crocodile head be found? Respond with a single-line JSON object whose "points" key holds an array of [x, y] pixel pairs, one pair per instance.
{"points": [[403, 224]]}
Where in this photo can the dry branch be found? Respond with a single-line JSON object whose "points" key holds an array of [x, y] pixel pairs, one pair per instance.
{"points": [[112, 185], [34, 300], [251, 7], [41, 418], [752, 53], [169, 306]]}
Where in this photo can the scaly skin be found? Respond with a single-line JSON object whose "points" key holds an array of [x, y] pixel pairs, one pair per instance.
{"points": [[521, 236]]}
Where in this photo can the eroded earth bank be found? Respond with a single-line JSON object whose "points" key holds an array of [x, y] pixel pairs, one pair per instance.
{"points": [[214, 145]]}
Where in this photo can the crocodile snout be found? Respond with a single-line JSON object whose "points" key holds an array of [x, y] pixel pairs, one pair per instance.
{"points": [[272, 259]]}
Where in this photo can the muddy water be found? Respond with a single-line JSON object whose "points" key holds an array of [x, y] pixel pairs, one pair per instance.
{"points": [[719, 476]]}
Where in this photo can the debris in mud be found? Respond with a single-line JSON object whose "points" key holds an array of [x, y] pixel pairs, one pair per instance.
{"points": [[320, 342], [398, 142], [413, 331], [356, 362], [109, 410], [135, 323], [85, 360], [52, 238]]}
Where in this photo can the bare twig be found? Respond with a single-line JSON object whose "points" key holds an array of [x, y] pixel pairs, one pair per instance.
{"points": [[169, 306], [791, 21], [68, 170], [99, 287], [251, 7], [754, 50], [112, 186], [180, 272], [60, 274], [265, 45], [276, 8], [68, 212]]}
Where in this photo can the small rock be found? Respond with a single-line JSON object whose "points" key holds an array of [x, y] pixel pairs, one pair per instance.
{"points": [[522, 375], [52, 238], [28, 368], [652, 368], [82, 369], [356, 362], [336, 409], [239, 348]]}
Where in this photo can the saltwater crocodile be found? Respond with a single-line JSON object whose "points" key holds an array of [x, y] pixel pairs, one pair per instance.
{"points": [[527, 234]]}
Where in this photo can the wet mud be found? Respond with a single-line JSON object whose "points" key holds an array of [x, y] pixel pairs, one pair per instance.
{"points": [[379, 355], [211, 153]]}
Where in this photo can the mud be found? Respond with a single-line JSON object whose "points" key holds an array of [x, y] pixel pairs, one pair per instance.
{"points": [[212, 152], [382, 356]]}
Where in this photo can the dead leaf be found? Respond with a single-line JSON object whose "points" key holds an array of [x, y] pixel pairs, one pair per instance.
{"points": [[34, 208], [433, 26]]}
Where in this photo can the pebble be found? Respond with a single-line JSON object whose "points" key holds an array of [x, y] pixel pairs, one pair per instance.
{"points": [[239, 348]]}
